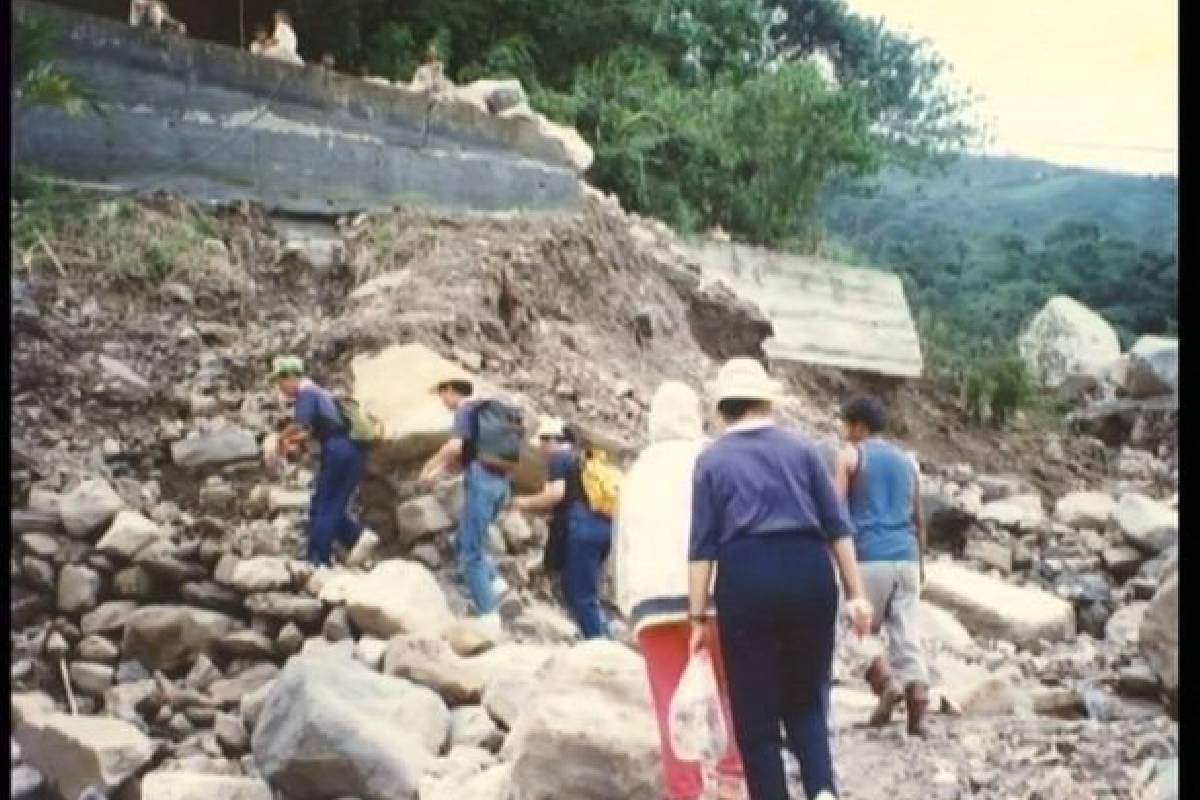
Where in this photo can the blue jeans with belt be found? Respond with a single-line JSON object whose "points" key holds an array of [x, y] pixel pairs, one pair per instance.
{"points": [[484, 495], [338, 475], [777, 600], [589, 538]]}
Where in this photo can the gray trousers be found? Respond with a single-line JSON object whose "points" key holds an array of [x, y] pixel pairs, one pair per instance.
{"points": [[894, 591]]}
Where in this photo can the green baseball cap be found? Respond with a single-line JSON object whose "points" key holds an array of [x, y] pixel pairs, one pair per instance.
{"points": [[285, 366]]}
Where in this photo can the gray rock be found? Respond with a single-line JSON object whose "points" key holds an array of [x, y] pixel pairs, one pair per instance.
{"points": [[168, 637], [31, 521], [259, 574], [305, 611], [77, 753], [421, 517], [1153, 367], [41, 545], [290, 640], [122, 380], [230, 691], [248, 644], [202, 674], [1147, 524], [332, 728], [1122, 562], [1158, 638], [173, 785], [337, 625], [98, 648], [78, 589], [231, 733], [39, 573], [397, 597], [1137, 680], [1085, 510], [129, 534], [430, 662], [135, 583], [472, 726], [91, 678], [26, 783], [89, 507], [215, 449], [207, 594], [108, 618]]}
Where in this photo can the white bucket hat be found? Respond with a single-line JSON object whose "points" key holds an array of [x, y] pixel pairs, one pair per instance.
{"points": [[549, 426], [744, 379]]}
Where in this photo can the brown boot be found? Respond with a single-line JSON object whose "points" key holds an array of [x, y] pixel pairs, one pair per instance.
{"points": [[889, 694], [916, 702]]}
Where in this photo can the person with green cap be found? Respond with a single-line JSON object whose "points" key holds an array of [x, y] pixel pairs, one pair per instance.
{"points": [[318, 416]]}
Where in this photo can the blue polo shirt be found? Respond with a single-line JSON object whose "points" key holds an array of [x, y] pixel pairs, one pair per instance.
{"points": [[317, 411], [759, 478]]}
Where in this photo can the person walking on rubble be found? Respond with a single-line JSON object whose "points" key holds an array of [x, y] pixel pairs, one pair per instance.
{"points": [[586, 535], [318, 416], [650, 545], [765, 513], [486, 485], [881, 487]]}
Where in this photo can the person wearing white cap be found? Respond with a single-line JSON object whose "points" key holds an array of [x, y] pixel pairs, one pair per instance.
{"points": [[317, 416], [650, 548], [765, 513], [584, 535]]}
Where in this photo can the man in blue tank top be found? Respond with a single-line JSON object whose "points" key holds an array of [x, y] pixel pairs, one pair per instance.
{"points": [[880, 484]]}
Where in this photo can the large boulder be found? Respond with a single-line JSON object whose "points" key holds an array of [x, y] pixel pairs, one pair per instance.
{"points": [[431, 662], [398, 597], [1085, 510], [129, 534], [1149, 525], [330, 727], [89, 506], [1158, 638], [1153, 367], [993, 608], [1022, 512], [172, 785], [589, 733], [77, 753], [393, 385], [169, 637], [511, 679], [1067, 341], [215, 449], [249, 575]]}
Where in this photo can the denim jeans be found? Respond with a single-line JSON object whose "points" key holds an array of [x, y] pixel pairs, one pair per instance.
{"points": [[338, 476], [484, 495], [589, 539]]}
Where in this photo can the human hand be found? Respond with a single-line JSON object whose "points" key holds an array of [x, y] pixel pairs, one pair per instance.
{"points": [[859, 609]]}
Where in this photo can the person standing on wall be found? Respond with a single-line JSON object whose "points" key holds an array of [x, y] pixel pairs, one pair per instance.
{"points": [[765, 513], [319, 416], [474, 447], [881, 487], [587, 531], [283, 44], [650, 544]]}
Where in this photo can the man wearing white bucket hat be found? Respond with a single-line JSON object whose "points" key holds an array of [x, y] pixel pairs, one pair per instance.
{"points": [[764, 511]]}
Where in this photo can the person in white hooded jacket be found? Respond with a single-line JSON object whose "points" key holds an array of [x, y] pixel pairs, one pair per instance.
{"points": [[651, 532]]}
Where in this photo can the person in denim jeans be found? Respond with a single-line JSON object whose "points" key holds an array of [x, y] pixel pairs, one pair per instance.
{"points": [[485, 494], [588, 534]]}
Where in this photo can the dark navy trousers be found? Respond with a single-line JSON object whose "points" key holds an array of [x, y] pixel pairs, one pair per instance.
{"points": [[777, 601], [339, 474]]}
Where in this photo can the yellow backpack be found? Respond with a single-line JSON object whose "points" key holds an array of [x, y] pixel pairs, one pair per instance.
{"points": [[601, 482]]}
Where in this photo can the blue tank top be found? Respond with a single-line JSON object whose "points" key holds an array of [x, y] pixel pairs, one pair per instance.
{"points": [[880, 504]]}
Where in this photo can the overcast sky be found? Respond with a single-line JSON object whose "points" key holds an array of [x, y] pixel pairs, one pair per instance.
{"points": [[1087, 82]]}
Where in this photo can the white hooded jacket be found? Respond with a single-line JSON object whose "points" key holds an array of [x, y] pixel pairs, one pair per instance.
{"points": [[654, 514]]}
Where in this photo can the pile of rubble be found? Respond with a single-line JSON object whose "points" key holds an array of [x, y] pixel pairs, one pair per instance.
{"points": [[168, 643]]}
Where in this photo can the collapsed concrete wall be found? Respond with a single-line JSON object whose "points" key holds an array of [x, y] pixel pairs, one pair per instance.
{"points": [[821, 312], [219, 123]]}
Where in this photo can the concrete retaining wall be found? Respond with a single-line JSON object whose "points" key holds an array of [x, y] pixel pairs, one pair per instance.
{"points": [[220, 123]]}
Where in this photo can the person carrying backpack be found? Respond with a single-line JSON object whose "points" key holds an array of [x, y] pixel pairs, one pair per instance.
{"points": [[580, 494], [337, 426], [486, 444]]}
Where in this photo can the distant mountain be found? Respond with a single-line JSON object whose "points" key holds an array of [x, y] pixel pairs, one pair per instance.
{"points": [[979, 195], [983, 245]]}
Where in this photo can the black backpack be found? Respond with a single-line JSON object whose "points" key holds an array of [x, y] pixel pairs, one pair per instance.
{"points": [[497, 433]]}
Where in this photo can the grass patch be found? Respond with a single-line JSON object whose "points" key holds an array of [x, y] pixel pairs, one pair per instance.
{"points": [[118, 240]]}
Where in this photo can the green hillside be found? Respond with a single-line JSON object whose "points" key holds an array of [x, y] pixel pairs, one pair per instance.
{"points": [[982, 246]]}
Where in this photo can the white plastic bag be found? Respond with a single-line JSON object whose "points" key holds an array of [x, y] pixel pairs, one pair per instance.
{"points": [[694, 722]]}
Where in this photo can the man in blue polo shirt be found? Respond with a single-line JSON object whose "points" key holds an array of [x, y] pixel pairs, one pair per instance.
{"points": [[317, 416]]}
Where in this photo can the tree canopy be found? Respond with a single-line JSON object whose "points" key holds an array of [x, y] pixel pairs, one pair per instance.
{"points": [[702, 112]]}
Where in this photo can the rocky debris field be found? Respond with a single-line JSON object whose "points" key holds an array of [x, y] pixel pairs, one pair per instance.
{"points": [[168, 643]]}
